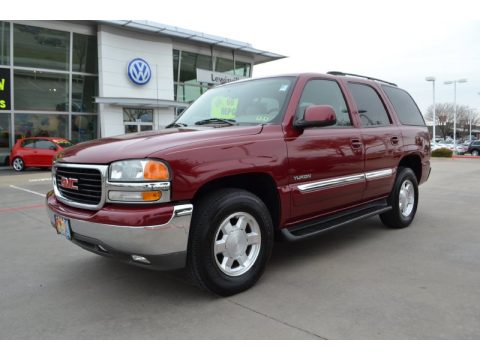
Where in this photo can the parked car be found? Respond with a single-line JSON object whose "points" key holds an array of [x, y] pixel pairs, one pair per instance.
{"points": [[248, 163], [474, 148], [36, 152]]}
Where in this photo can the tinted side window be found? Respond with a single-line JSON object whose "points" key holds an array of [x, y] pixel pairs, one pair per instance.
{"points": [[45, 144], [371, 109], [29, 144], [406, 109], [324, 92]]}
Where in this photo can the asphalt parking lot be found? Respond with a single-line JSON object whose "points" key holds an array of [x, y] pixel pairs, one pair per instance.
{"points": [[359, 282]]}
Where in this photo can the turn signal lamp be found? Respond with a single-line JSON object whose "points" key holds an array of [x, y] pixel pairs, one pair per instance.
{"points": [[155, 170]]}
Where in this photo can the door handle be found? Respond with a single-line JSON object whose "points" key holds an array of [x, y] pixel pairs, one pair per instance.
{"points": [[356, 143], [394, 140]]}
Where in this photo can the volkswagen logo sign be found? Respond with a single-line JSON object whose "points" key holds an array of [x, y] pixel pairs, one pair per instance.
{"points": [[139, 71]]}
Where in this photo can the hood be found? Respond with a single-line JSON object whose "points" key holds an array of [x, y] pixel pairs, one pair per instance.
{"points": [[142, 145]]}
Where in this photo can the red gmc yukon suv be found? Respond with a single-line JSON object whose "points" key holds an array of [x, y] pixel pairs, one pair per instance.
{"points": [[248, 163]]}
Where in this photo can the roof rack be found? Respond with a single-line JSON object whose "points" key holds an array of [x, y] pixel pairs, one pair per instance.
{"points": [[339, 73]]}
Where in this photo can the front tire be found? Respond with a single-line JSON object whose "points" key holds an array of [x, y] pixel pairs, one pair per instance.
{"points": [[475, 153], [18, 164], [231, 240], [403, 199]]}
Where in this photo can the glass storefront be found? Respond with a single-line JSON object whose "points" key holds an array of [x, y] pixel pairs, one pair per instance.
{"points": [[54, 83], [4, 43], [185, 65], [137, 119]]}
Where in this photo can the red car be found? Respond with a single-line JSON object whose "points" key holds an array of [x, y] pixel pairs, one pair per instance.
{"points": [[36, 152]]}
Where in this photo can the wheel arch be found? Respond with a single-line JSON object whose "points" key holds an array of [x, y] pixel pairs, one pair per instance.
{"points": [[260, 184], [414, 162]]}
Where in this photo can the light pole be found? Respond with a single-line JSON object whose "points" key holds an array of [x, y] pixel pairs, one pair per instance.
{"points": [[454, 82], [432, 79]]}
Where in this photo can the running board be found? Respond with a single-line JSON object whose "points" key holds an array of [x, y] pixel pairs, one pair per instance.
{"points": [[313, 228]]}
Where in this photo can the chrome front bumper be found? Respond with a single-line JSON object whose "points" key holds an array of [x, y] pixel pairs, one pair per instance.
{"points": [[154, 243]]}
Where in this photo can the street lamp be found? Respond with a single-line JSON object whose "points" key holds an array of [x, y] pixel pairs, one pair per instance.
{"points": [[432, 79], [454, 82]]}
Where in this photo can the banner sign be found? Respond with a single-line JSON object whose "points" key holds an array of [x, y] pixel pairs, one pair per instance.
{"points": [[217, 78], [4, 89]]}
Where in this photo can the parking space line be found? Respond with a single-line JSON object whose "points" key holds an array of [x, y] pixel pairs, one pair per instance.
{"points": [[26, 190], [42, 179], [20, 208]]}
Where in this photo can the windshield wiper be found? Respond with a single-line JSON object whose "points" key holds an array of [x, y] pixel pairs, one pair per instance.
{"points": [[216, 121], [176, 124]]}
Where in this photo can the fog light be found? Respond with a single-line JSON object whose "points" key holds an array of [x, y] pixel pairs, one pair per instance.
{"points": [[151, 195], [140, 259]]}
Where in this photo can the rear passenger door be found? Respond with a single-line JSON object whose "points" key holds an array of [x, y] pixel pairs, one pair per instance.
{"points": [[381, 138]]}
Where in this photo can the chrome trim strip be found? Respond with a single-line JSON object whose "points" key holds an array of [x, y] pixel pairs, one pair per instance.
{"points": [[373, 175], [344, 180], [103, 169], [332, 182]]}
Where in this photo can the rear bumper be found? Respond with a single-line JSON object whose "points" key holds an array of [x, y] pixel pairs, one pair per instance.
{"points": [[163, 246]]}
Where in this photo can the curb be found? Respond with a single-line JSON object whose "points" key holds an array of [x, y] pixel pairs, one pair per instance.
{"points": [[465, 157]]}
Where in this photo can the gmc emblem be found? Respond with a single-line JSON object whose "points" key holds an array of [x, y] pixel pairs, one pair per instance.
{"points": [[68, 183]]}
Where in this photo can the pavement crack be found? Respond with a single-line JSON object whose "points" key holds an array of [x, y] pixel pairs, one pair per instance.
{"points": [[278, 320]]}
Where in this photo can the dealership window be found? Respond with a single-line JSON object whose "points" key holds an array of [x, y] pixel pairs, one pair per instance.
{"points": [[4, 43], [5, 130], [84, 90], [137, 119], [37, 90], [27, 125], [84, 127], [41, 48], [84, 54], [242, 68], [189, 64]]}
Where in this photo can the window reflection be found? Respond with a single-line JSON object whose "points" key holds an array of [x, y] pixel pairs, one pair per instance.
{"points": [[40, 47], [84, 55], [84, 128], [4, 43], [28, 125], [37, 90]]}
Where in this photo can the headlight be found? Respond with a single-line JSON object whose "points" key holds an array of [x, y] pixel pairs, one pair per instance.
{"points": [[139, 170], [138, 181]]}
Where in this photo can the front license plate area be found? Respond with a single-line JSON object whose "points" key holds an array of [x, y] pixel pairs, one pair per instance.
{"points": [[62, 225]]}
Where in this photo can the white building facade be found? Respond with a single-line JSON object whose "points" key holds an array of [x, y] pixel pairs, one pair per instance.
{"points": [[87, 79]]}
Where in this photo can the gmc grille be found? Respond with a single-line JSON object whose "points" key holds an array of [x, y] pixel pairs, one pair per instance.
{"points": [[89, 184]]}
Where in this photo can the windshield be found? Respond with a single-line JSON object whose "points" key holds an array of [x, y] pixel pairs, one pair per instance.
{"points": [[251, 102], [63, 143]]}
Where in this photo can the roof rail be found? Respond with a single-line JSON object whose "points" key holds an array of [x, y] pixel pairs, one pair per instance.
{"points": [[339, 73]]}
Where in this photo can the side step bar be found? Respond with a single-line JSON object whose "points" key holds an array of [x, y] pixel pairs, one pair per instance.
{"points": [[313, 228]]}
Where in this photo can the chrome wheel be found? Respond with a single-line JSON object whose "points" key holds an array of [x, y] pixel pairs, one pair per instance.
{"points": [[406, 198], [18, 164], [237, 244]]}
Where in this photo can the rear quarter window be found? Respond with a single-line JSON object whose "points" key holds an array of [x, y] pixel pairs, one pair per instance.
{"points": [[405, 107]]}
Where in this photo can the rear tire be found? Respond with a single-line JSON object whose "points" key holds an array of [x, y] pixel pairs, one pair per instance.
{"points": [[475, 153], [403, 199], [230, 242], [18, 164]]}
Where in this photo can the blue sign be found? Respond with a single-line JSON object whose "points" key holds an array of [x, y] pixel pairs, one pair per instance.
{"points": [[139, 71]]}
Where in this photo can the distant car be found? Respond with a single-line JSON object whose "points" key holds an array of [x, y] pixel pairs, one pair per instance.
{"points": [[474, 148], [36, 152]]}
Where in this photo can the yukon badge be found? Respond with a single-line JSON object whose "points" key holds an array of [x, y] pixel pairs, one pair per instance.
{"points": [[302, 177], [68, 183]]}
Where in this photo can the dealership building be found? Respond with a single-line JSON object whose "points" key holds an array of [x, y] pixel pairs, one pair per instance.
{"points": [[87, 79]]}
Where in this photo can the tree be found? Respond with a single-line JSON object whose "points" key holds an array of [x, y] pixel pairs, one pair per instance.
{"points": [[444, 119]]}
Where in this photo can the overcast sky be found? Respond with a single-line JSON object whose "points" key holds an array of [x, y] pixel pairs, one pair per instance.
{"points": [[398, 41], [401, 41]]}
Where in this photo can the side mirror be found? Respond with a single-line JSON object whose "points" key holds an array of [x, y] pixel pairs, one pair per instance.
{"points": [[53, 147], [317, 116]]}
